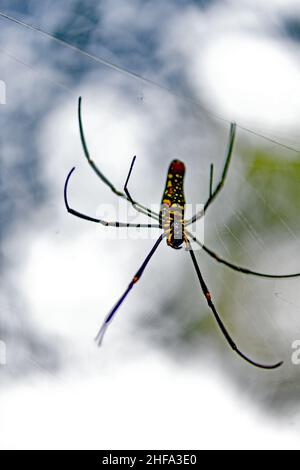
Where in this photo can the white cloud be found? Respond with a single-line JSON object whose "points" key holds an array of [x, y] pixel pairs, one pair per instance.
{"points": [[252, 79], [243, 68], [149, 405]]}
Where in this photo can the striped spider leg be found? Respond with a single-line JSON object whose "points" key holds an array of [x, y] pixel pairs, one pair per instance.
{"points": [[237, 268], [134, 280], [99, 221], [125, 195], [212, 196], [214, 193], [220, 323]]}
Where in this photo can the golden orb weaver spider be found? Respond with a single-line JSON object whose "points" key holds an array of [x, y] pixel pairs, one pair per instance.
{"points": [[171, 221]]}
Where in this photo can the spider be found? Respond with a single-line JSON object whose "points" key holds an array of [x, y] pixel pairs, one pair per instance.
{"points": [[174, 229]]}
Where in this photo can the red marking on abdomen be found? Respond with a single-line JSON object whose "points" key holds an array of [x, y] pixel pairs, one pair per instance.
{"points": [[177, 166]]}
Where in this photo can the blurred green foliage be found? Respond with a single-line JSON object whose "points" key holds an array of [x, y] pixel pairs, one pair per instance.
{"points": [[276, 181]]}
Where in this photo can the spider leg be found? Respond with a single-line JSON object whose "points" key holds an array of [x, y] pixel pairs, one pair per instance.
{"points": [[213, 193], [240, 269], [134, 204], [127, 180], [99, 221], [134, 280], [211, 178], [220, 322], [139, 207]]}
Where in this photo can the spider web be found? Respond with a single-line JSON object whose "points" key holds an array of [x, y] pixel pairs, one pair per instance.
{"points": [[64, 277]]}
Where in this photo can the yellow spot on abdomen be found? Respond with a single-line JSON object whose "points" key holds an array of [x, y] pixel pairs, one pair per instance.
{"points": [[167, 202]]}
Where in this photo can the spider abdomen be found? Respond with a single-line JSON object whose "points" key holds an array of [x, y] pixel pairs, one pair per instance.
{"points": [[172, 205]]}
